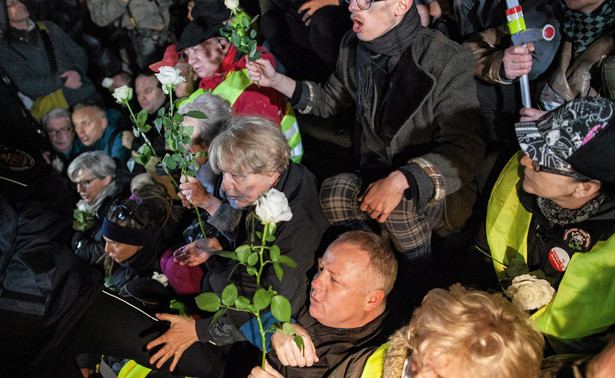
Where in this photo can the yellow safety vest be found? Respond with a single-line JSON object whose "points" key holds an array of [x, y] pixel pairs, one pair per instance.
{"points": [[373, 365], [233, 86], [584, 303]]}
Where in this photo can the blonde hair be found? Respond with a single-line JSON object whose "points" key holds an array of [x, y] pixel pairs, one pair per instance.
{"points": [[481, 334], [249, 145]]}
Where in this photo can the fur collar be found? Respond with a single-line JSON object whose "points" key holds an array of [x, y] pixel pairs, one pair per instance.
{"points": [[398, 351]]}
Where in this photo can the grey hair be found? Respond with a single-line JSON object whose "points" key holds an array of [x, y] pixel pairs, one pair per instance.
{"points": [[99, 109], [217, 111], [56, 113], [96, 163], [249, 145]]}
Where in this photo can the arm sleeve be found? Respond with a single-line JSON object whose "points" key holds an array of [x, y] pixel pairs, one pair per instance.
{"points": [[104, 12], [488, 50]]}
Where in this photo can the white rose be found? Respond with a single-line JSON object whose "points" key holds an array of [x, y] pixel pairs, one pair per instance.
{"points": [[169, 77], [81, 205], [272, 207], [529, 292], [107, 82], [231, 4], [161, 278], [122, 94]]}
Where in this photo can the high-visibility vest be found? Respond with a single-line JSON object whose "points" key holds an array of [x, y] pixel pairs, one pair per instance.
{"points": [[233, 86], [584, 303], [373, 365]]}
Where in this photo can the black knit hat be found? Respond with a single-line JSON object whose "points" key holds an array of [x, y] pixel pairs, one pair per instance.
{"points": [[579, 135], [199, 30]]}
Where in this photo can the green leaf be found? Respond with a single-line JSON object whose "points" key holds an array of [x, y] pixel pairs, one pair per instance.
{"points": [[178, 117], [235, 40], [142, 117], [217, 315], [254, 19], [136, 132], [262, 299], [252, 47], [158, 124], [287, 261], [245, 21], [259, 235], [169, 162], [251, 270], [131, 164], [161, 112], [252, 33], [145, 128], [274, 253], [196, 114], [200, 154], [253, 259], [243, 252], [280, 308], [186, 140], [208, 302], [516, 268], [278, 271], [288, 329], [242, 302], [187, 131], [299, 341], [227, 254], [229, 295], [167, 123]]}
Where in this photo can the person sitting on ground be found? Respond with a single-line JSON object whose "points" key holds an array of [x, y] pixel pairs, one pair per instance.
{"points": [[96, 132], [222, 70], [457, 332], [95, 176], [419, 125], [250, 157], [552, 208], [41, 59], [59, 128], [346, 311]]}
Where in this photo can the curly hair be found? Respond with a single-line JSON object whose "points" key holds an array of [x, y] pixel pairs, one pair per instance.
{"points": [[482, 334]]}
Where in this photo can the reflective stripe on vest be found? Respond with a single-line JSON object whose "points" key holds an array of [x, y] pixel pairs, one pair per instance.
{"points": [[133, 370], [233, 86], [584, 303], [373, 365]]}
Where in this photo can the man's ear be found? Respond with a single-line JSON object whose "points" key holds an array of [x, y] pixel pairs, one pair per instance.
{"points": [[224, 43], [105, 122], [403, 6], [586, 189], [374, 299]]}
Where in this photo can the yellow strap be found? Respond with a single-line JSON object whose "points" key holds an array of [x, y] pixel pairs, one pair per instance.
{"points": [[133, 370], [373, 365], [233, 85]]}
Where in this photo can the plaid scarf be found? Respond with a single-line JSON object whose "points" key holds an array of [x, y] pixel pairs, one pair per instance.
{"points": [[584, 29]]}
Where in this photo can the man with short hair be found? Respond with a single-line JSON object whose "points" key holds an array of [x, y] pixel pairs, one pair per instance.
{"points": [[553, 208], [149, 93], [416, 112], [57, 124], [222, 70], [346, 310], [96, 133]]}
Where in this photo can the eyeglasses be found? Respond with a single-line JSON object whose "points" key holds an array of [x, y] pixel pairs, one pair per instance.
{"points": [[84, 183], [58, 131], [363, 4], [576, 175], [123, 212]]}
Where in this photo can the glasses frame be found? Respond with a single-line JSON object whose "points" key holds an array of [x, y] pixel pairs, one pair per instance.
{"points": [[84, 183], [123, 210], [61, 131], [359, 5], [575, 175]]}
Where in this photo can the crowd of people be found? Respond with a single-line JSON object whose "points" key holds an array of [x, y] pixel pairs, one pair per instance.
{"points": [[472, 235]]}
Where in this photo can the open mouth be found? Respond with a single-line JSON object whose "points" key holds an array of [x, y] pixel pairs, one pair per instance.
{"points": [[357, 26]]}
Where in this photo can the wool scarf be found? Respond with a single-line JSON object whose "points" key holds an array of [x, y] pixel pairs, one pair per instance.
{"points": [[382, 54], [584, 29], [560, 216]]}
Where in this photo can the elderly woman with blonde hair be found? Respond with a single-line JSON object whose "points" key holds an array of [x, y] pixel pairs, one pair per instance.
{"points": [[247, 159], [456, 333]]}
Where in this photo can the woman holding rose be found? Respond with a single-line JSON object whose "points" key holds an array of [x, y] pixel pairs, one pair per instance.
{"points": [[247, 159]]}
